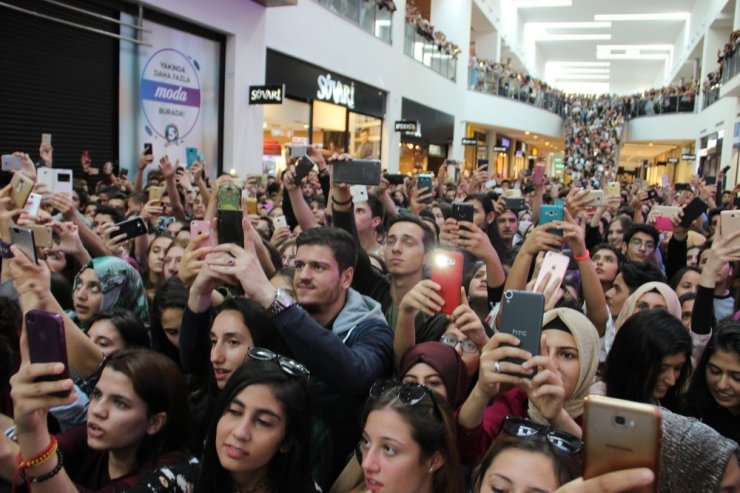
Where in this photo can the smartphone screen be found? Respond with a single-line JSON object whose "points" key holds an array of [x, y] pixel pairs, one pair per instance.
{"points": [[148, 149], [691, 212], [447, 271]]}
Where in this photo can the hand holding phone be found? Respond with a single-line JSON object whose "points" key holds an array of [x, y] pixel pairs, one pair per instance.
{"points": [[521, 317], [47, 344], [463, 211]]}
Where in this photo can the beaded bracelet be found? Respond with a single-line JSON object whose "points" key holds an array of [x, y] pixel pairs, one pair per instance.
{"points": [[336, 202], [44, 477], [41, 458]]}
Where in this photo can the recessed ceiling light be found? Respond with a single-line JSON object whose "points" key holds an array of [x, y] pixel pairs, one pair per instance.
{"points": [[573, 37], [568, 25], [527, 132], [667, 16], [528, 4]]}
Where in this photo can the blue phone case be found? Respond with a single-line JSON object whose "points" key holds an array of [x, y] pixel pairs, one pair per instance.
{"points": [[191, 154], [550, 213]]}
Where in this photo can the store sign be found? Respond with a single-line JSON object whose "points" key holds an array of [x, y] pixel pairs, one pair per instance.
{"points": [[673, 160], [435, 150], [688, 157], [266, 94], [469, 142], [407, 126], [519, 153], [500, 149], [335, 91]]}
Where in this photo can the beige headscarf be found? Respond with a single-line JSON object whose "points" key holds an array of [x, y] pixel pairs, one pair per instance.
{"points": [[587, 342], [673, 306]]}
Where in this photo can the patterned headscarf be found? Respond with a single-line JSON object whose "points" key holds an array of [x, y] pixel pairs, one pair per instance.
{"points": [[121, 286]]}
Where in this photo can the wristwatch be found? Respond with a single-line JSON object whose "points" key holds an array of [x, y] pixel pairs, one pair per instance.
{"points": [[281, 302]]}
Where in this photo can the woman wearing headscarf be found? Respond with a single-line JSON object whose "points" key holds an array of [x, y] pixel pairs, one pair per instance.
{"points": [[553, 397], [438, 366]]}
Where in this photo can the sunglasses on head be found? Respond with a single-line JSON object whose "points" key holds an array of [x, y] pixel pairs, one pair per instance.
{"points": [[289, 366], [525, 428]]}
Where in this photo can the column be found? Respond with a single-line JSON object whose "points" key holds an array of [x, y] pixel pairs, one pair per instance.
{"points": [[452, 18], [736, 23], [390, 150]]}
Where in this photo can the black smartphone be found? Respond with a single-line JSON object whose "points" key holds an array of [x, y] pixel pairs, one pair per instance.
{"points": [[357, 172], [515, 204], [482, 163], [691, 212], [148, 149], [304, 166], [395, 179], [47, 344], [710, 180], [132, 227], [23, 239], [463, 211], [522, 317], [424, 181], [652, 194], [229, 227], [682, 186], [725, 169]]}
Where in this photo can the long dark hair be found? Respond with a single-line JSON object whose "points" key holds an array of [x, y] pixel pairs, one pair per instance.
{"points": [[173, 294], [634, 362], [129, 326], [289, 470], [699, 401]]}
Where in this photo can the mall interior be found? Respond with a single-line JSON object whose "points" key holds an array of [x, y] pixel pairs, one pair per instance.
{"points": [[409, 82]]}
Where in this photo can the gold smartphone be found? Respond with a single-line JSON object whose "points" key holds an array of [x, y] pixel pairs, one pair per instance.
{"points": [[42, 235], [619, 435], [156, 194], [729, 222], [613, 189], [20, 188]]}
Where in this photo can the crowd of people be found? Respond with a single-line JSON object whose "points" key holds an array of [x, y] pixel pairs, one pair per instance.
{"points": [[284, 334]]}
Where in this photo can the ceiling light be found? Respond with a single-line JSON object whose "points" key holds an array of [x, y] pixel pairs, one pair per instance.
{"points": [[573, 37], [583, 77], [579, 64], [605, 55], [305, 126], [527, 132], [536, 137], [528, 4], [264, 124], [568, 25], [655, 47], [577, 70], [667, 16]]}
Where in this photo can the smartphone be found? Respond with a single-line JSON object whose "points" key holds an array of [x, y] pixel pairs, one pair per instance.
{"points": [[522, 317], [665, 181], [551, 213], [280, 222], [620, 434], [729, 222], [229, 227], [447, 271], [613, 189], [652, 194], [252, 206], [357, 172], [230, 198], [538, 175], [23, 239], [298, 150], [691, 212], [663, 223], [132, 227], [515, 203], [42, 235], [424, 181], [682, 186], [11, 162], [46, 139], [556, 264], [513, 193], [304, 166], [395, 179], [358, 193], [191, 155], [63, 181], [463, 211], [664, 210], [156, 194], [47, 344], [33, 204], [596, 197], [201, 156], [148, 149], [197, 227], [710, 180], [20, 189]]}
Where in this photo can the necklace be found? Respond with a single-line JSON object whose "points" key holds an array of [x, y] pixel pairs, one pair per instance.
{"points": [[255, 489]]}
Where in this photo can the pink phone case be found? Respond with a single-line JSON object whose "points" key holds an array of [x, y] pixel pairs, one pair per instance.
{"points": [[197, 227], [557, 265], [663, 223]]}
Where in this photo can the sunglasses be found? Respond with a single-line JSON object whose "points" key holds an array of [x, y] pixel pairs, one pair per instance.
{"points": [[289, 366], [560, 440]]}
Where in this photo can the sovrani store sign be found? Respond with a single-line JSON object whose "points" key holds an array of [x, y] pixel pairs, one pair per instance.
{"points": [[266, 94]]}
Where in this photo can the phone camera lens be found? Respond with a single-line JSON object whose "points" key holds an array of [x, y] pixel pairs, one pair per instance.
{"points": [[31, 319], [508, 295], [619, 420]]}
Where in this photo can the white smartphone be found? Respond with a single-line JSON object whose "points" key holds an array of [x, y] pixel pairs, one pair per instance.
{"points": [[359, 193], [46, 139], [56, 180], [597, 197], [279, 222], [513, 193], [556, 264], [33, 204]]}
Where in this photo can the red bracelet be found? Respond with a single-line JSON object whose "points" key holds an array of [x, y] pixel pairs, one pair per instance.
{"points": [[583, 257], [47, 453]]}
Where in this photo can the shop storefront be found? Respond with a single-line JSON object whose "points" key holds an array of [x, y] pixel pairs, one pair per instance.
{"points": [[427, 148], [710, 153], [475, 148], [321, 107]]}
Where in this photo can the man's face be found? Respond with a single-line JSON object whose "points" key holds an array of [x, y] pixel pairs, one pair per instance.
{"points": [[507, 225], [617, 295], [118, 204], [640, 247], [317, 281], [100, 222], [727, 198], [364, 218], [404, 248], [713, 224], [480, 218]]}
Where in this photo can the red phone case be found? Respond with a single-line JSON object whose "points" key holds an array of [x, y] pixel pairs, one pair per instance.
{"points": [[447, 271], [47, 343]]}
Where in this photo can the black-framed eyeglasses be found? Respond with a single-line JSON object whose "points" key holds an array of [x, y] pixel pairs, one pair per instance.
{"points": [[525, 428], [289, 366], [467, 345]]}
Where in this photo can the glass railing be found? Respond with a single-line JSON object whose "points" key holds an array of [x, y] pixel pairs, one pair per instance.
{"points": [[711, 95], [661, 105], [511, 87], [730, 66], [423, 49], [365, 13]]}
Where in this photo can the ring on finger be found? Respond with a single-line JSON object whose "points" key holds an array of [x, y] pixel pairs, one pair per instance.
{"points": [[231, 262], [497, 367]]}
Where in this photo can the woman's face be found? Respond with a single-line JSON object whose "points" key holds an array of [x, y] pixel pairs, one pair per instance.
{"points": [[199, 207], [107, 168], [155, 259], [723, 379], [105, 335], [171, 319], [478, 288], [288, 255], [670, 370], [230, 341], [688, 284], [55, 259], [562, 349], [439, 218], [687, 308], [615, 235], [87, 295], [250, 433], [427, 376], [515, 470], [650, 301], [471, 360], [117, 419], [172, 260], [392, 460], [606, 264]]}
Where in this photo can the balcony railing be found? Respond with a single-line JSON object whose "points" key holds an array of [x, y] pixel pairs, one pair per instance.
{"points": [[730, 65], [504, 85], [424, 50], [365, 13], [711, 95], [661, 105]]}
